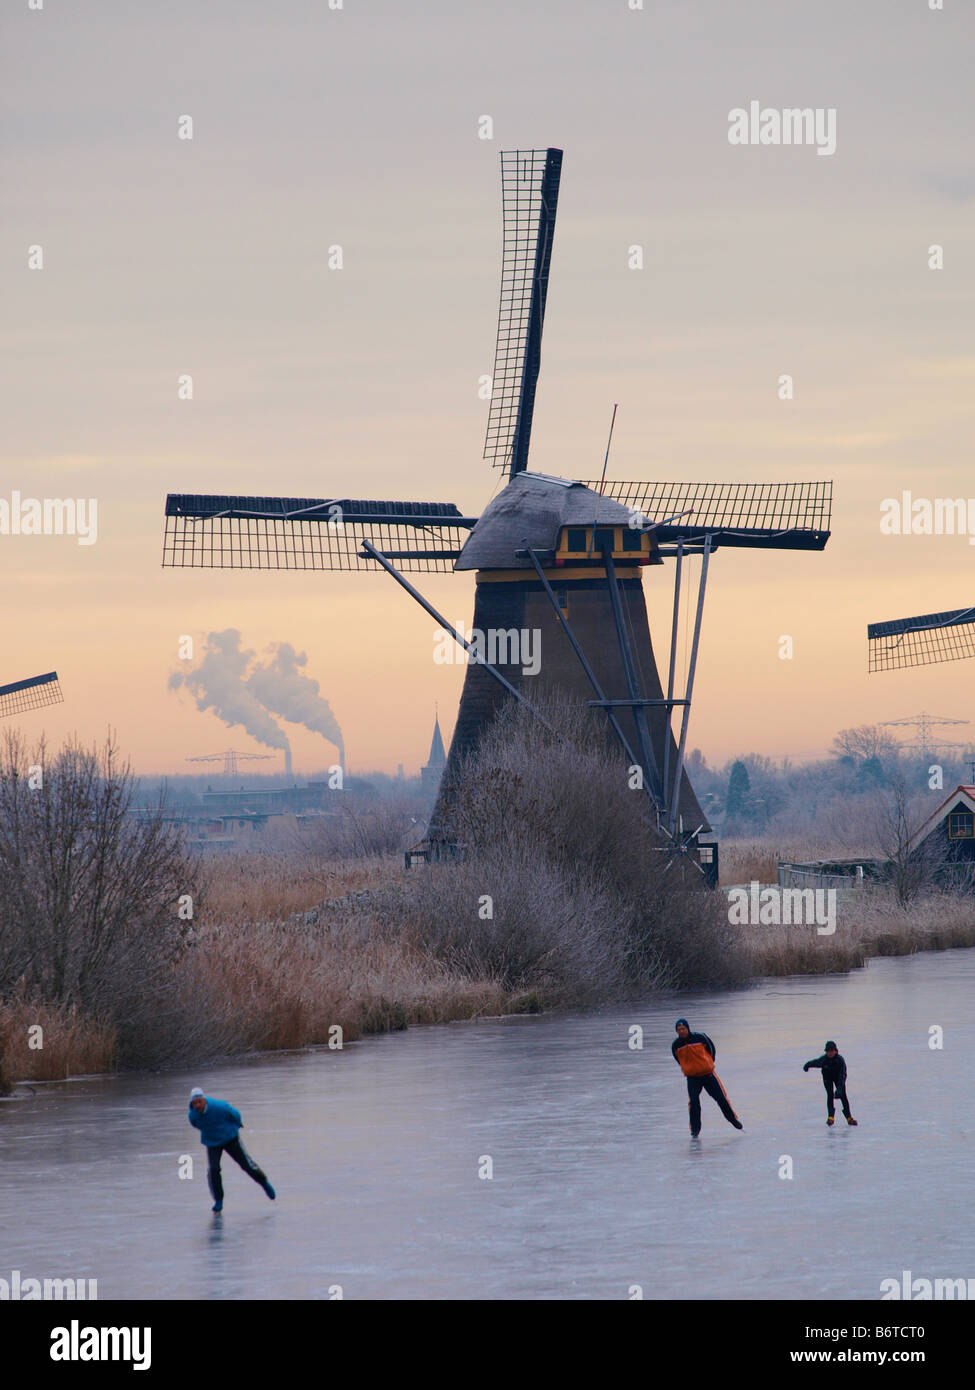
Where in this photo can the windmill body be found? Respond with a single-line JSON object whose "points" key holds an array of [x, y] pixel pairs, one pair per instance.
{"points": [[554, 519], [558, 560]]}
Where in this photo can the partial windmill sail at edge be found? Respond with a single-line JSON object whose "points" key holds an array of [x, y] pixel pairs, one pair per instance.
{"points": [[33, 693], [921, 641]]}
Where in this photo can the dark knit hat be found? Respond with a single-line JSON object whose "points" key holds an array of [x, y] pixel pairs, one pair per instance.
{"points": [[830, 1046], [685, 1023]]}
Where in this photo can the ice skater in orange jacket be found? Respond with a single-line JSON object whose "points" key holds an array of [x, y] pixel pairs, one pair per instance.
{"points": [[695, 1053]]}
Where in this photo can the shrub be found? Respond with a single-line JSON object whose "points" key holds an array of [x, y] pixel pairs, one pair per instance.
{"points": [[588, 900]]}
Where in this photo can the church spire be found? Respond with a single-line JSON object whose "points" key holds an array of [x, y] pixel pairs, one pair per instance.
{"points": [[431, 773]]}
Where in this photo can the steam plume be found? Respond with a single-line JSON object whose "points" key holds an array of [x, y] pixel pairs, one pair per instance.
{"points": [[217, 683], [282, 688], [241, 691]]}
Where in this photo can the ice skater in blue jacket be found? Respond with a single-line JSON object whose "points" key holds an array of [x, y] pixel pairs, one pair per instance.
{"points": [[219, 1123]]}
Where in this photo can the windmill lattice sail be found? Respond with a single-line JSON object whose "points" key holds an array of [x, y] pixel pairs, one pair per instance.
{"points": [[530, 195], [33, 693], [307, 533], [921, 641], [772, 516]]}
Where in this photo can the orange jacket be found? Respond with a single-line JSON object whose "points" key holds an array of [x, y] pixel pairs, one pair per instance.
{"points": [[695, 1054]]}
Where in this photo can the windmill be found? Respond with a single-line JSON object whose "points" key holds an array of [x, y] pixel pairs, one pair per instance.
{"points": [[553, 557], [230, 758], [921, 641], [33, 693]]}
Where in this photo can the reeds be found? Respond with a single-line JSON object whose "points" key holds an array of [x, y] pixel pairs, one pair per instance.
{"points": [[869, 922], [49, 1042], [256, 886], [283, 985], [756, 860]]}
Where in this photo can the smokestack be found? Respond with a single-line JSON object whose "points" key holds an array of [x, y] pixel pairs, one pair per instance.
{"points": [[287, 763]]}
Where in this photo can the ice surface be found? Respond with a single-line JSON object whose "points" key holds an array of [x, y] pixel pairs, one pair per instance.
{"points": [[596, 1186]]}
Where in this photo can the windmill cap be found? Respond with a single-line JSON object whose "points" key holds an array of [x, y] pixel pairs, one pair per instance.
{"points": [[530, 512]]}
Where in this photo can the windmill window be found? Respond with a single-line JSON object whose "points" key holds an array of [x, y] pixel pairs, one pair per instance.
{"points": [[563, 599], [706, 853], [578, 538], [961, 825], [632, 540], [605, 536]]}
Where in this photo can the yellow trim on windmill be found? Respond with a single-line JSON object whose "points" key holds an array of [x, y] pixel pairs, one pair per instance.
{"points": [[631, 546]]}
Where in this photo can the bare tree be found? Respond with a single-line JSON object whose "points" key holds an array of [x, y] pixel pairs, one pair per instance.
{"points": [[863, 742], [89, 889]]}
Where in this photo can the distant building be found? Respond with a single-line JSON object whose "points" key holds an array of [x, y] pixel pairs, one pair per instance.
{"points": [[431, 773], [231, 803], [236, 829], [948, 838]]}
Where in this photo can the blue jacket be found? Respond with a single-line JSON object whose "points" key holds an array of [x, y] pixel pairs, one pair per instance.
{"points": [[218, 1123]]}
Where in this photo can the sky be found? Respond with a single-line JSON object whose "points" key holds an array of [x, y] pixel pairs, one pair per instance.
{"points": [[361, 127]]}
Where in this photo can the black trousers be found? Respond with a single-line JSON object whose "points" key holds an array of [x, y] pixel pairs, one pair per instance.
{"points": [[714, 1088], [240, 1155], [839, 1087]]}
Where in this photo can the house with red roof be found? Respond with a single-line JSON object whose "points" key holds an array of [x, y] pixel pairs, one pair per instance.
{"points": [[948, 838]]}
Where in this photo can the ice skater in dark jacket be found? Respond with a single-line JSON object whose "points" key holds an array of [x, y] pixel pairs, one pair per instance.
{"points": [[219, 1123], [695, 1053], [833, 1068]]}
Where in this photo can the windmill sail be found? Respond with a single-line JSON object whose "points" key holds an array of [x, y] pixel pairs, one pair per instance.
{"points": [[921, 641], [32, 693], [530, 195], [771, 516], [306, 533]]}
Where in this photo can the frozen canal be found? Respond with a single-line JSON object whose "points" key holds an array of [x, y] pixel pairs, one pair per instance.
{"points": [[596, 1186]]}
